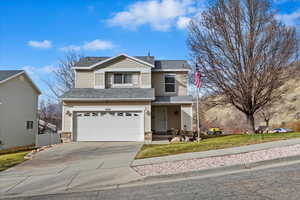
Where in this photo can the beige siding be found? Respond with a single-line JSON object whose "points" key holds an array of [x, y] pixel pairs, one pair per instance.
{"points": [[100, 80], [85, 79], [158, 82], [145, 80], [19, 102], [124, 63], [186, 116], [68, 107]]}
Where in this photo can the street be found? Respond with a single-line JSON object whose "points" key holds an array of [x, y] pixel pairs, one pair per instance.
{"points": [[272, 183]]}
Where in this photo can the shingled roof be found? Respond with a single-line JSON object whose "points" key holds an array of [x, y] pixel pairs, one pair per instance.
{"points": [[5, 74], [110, 94], [88, 61], [158, 64]]}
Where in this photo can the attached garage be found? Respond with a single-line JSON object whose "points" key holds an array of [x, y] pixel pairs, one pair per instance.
{"points": [[108, 126]]}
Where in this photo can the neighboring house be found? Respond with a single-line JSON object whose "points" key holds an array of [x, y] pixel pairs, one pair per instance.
{"points": [[18, 109], [126, 98]]}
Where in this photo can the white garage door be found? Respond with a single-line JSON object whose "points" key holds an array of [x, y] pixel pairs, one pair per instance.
{"points": [[108, 126]]}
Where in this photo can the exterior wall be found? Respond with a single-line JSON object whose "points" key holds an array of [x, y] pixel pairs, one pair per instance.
{"points": [[146, 80], [19, 103], [100, 80], [101, 77], [85, 79], [187, 116], [69, 107], [158, 82]]}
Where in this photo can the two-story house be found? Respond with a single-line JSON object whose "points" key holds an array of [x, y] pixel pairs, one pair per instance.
{"points": [[18, 109], [125, 98]]}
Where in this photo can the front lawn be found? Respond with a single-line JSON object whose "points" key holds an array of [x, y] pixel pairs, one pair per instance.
{"points": [[221, 142], [11, 159]]}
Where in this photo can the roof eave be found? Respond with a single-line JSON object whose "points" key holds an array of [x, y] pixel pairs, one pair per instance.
{"points": [[107, 99], [30, 80], [171, 102], [111, 58], [171, 70]]}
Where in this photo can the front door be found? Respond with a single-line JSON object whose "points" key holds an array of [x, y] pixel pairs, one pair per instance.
{"points": [[161, 119]]}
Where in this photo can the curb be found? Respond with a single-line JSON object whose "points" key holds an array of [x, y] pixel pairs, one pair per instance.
{"points": [[216, 153], [176, 177]]}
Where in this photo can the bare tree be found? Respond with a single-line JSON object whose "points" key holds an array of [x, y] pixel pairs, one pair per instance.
{"points": [[64, 75], [50, 113], [243, 52], [266, 113]]}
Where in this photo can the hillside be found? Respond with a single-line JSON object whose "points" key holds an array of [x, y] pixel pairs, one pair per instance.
{"points": [[286, 110]]}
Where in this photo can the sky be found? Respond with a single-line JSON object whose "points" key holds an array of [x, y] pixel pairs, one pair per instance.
{"points": [[35, 34]]}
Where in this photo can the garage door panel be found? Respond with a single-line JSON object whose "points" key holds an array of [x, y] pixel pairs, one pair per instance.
{"points": [[109, 126]]}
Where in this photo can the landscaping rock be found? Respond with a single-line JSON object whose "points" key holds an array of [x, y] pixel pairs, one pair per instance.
{"points": [[175, 139]]}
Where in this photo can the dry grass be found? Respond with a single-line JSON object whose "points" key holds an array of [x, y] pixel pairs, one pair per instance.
{"points": [[17, 149]]}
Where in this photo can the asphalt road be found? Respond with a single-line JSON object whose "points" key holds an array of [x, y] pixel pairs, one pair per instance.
{"points": [[273, 183]]}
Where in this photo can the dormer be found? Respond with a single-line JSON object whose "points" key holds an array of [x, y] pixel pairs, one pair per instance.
{"points": [[121, 71]]}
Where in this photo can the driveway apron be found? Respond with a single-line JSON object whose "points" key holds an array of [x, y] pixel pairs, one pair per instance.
{"points": [[72, 167]]}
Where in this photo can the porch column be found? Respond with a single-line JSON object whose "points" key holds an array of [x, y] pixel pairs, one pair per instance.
{"points": [[186, 117]]}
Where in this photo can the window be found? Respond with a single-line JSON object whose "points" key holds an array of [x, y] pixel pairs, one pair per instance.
{"points": [[169, 83], [120, 114], [29, 124], [95, 114], [122, 78]]}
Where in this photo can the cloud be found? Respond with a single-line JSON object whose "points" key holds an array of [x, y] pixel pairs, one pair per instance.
{"points": [[183, 22], [95, 45], [46, 44], [98, 45], [37, 72], [289, 19], [161, 15], [70, 48]]}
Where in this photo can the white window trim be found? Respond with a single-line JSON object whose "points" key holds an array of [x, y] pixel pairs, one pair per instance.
{"points": [[174, 84], [122, 84]]}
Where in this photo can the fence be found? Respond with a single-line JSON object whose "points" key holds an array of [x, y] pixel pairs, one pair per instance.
{"points": [[48, 139]]}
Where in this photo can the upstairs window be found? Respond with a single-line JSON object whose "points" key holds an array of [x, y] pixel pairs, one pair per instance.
{"points": [[170, 83], [122, 78]]}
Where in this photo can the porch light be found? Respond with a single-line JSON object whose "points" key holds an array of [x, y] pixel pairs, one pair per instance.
{"points": [[69, 113]]}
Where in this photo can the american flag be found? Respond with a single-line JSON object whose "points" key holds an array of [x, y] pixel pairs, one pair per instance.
{"points": [[198, 77]]}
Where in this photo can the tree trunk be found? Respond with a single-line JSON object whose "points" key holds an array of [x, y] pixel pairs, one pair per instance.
{"points": [[267, 123], [251, 122]]}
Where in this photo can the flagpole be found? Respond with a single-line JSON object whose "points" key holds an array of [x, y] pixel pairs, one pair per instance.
{"points": [[198, 128]]}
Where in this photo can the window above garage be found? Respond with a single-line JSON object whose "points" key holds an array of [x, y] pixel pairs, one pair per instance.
{"points": [[122, 79]]}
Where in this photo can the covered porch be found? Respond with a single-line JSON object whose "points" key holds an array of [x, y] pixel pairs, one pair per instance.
{"points": [[167, 116]]}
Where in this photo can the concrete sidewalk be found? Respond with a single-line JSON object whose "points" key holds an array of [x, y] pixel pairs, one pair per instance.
{"points": [[215, 153]]}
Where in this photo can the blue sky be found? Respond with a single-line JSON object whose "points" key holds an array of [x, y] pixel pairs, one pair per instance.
{"points": [[34, 34]]}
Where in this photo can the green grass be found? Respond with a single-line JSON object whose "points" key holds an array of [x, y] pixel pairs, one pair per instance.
{"points": [[11, 159], [210, 143]]}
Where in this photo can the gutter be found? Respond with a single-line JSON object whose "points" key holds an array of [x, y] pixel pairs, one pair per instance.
{"points": [[107, 99]]}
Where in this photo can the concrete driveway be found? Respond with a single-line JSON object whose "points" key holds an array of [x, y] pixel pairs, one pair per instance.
{"points": [[72, 167]]}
